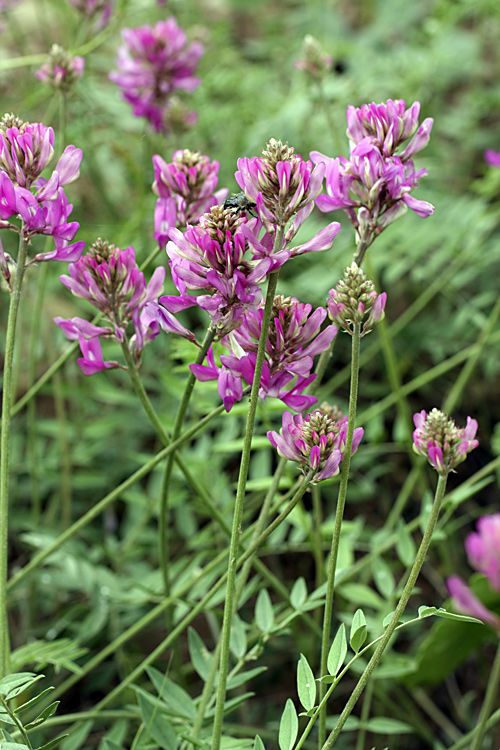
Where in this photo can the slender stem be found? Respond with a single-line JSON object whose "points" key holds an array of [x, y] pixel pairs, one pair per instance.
{"points": [[5, 449], [179, 419], [238, 509], [332, 564], [407, 591], [463, 743], [488, 703]]}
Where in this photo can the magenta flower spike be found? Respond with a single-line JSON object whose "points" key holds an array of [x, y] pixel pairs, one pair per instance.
{"points": [[387, 125], [444, 444], [25, 149], [483, 552], [315, 441], [110, 279], [154, 62], [355, 300], [186, 188]]}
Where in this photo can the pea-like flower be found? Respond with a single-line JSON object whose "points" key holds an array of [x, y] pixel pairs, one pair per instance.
{"points": [[355, 301], [316, 441], [443, 443], [154, 62], [492, 157], [483, 552], [62, 70]]}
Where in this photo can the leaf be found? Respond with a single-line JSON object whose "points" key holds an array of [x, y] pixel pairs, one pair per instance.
{"points": [[258, 744], [264, 612], [200, 655], [385, 725], [33, 701], [239, 679], [43, 715], [338, 651], [405, 546], [358, 593], [157, 726], [289, 727], [298, 595], [12, 746], [383, 577], [358, 631], [238, 638], [51, 743], [14, 684], [77, 737], [306, 684], [172, 694]]}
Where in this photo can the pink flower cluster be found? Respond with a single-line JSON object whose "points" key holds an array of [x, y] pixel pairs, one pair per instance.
{"points": [[41, 205], [315, 441], [62, 70], [355, 301], [99, 10], [483, 551], [374, 185], [294, 338], [153, 63], [110, 279], [492, 157], [186, 188], [443, 443]]}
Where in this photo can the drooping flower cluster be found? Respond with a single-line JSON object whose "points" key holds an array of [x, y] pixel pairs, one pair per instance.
{"points": [[110, 279], [153, 63], [374, 185], [483, 552], [186, 188], [355, 300], [315, 441], [443, 443], [62, 70], [314, 61], [294, 338], [492, 157], [41, 205]]}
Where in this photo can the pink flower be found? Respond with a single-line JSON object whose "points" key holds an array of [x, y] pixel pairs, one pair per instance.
{"points": [[444, 444], [492, 157], [355, 300], [315, 441], [467, 603], [97, 9], [62, 71], [153, 63]]}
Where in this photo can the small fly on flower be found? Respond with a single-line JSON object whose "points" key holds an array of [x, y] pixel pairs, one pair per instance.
{"points": [[239, 203]]}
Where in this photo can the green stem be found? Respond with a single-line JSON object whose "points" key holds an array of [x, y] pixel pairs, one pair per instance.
{"points": [[179, 419], [5, 449], [464, 742], [407, 591], [488, 703], [332, 565], [238, 509]]}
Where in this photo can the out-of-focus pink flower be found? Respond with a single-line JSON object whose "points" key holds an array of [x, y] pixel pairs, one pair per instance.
{"points": [[186, 188], [61, 71], [153, 63], [316, 441], [355, 300], [483, 551], [314, 61], [110, 279], [229, 386], [443, 443], [492, 157], [466, 602], [99, 10]]}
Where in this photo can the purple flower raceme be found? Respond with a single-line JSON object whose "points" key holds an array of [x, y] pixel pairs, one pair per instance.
{"points": [[61, 71], [186, 188], [354, 300], [154, 62], [374, 185], [110, 279], [483, 552], [492, 157], [315, 441], [41, 205], [443, 443], [294, 338]]}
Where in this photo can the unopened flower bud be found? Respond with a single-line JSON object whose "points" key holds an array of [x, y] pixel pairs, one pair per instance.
{"points": [[355, 300], [315, 61], [62, 70], [443, 443]]}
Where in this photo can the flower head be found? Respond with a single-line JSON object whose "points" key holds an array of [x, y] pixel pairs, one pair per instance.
{"points": [[280, 183], [316, 441], [154, 62], [483, 552], [355, 300], [100, 10], [186, 188], [61, 71], [492, 157], [444, 444], [315, 61], [387, 125]]}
